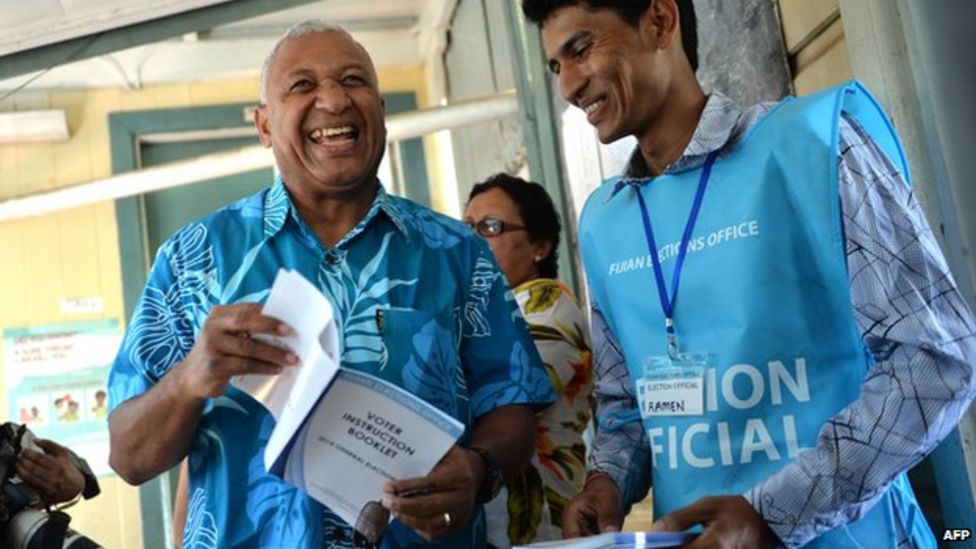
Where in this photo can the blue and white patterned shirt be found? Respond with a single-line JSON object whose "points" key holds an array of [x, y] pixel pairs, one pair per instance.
{"points": [[451, 332], [910, 315]]}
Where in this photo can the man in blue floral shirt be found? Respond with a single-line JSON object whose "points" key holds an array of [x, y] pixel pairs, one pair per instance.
{"points": [[420, 299]]}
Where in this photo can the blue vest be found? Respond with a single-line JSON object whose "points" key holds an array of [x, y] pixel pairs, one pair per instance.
{"points": [[764, 289]]}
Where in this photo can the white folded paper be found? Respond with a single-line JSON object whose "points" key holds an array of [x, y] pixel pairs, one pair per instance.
{"points": [[290, 395]]}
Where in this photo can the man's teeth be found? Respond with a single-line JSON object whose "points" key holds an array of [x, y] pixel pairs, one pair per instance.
{"points": [[319, 133], [330, 132], [592, 107]]}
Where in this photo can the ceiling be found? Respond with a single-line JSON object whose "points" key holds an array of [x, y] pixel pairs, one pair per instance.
{"points": [[397, 33], [26, 25]]}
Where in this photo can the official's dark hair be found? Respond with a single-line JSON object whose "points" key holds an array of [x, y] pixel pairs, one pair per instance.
{"points": [[630, 11], [536, 209]]}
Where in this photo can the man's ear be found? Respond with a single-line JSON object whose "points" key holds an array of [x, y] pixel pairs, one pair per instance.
{"points": [[659, 25], [262, 123]]}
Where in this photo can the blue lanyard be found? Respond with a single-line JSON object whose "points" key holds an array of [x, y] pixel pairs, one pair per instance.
{"points": [[667, 304]]}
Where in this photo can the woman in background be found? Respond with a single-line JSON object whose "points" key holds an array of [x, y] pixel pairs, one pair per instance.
{"points": [[521, 225]]}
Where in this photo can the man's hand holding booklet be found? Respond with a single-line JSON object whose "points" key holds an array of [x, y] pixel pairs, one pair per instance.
{"points": [[340, 434]]}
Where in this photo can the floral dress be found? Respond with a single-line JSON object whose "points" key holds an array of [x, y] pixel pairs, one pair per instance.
{"points": [[529, 508]]}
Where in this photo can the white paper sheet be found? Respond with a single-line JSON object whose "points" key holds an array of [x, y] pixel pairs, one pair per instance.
{"points": [[291, 395]]}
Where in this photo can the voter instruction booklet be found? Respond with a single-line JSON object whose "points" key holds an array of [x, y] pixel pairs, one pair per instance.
{"points": [[340, 434]]}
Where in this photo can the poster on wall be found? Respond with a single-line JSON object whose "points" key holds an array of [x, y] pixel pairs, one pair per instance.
{"points": [[56, 379]]}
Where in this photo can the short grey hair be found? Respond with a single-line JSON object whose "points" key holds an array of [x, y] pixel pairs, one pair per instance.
{"points": [[310, 26]]}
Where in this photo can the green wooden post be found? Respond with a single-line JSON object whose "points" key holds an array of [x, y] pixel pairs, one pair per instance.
{"points": [[539, 126]]}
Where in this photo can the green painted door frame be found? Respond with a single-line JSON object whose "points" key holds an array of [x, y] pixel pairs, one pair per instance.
{"points": [[412, 160], [125, 129]]}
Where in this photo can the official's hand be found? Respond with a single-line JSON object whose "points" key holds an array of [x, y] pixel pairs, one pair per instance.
{"points": [[52, 474], [442, 502], [226, 348], [730, 522], [598, 508]]}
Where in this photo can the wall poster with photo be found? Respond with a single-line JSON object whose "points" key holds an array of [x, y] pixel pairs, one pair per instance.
{"points": [[56, 378]]}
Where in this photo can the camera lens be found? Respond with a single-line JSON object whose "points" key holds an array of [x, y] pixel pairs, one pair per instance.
{"points": [[34, 529], [74, 540]]}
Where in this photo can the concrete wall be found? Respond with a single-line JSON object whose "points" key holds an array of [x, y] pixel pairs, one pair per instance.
{"points": [[741, 51]]}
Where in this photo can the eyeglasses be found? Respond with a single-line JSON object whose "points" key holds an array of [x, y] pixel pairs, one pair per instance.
{"points": [[374, 519], [492, 226]]}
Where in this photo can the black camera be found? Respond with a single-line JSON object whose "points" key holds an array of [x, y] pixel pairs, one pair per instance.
{"points": [[25, 521]]}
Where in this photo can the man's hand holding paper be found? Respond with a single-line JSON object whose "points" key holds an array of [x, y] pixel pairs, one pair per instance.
{"points": [[313, 339], [227, 347]]}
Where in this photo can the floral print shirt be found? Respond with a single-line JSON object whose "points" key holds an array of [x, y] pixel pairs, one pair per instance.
{"points": [[530, 507], [450, 333]]}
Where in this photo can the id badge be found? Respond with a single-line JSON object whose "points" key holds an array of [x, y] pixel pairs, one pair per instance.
{"points": [[673, 386]]}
